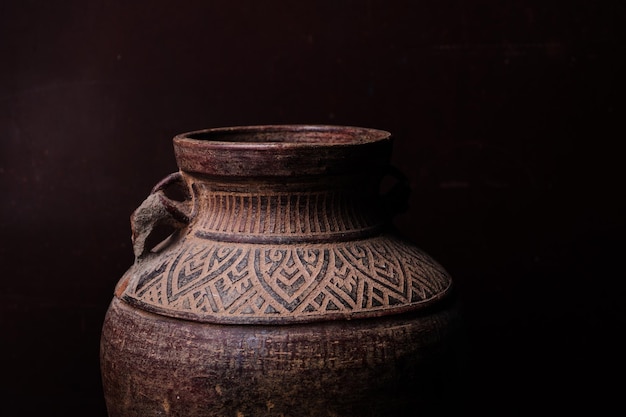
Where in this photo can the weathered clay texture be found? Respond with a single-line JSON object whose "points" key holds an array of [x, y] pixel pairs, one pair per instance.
{"points": [[279, 243], [383, 367]]}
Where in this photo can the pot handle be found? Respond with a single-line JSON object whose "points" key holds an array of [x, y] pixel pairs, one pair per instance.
{"points": [[160, 212], [396, 200]]}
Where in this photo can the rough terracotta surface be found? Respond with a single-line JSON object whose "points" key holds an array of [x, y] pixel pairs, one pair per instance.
{"points": [[154, 365], [281, 289]]}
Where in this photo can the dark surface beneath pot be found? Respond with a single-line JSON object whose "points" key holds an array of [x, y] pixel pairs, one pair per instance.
{"points": [[505, 116]]}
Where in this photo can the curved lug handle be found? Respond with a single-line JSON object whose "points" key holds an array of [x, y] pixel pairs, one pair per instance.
{"points": [[396, 199], [158, 211]]}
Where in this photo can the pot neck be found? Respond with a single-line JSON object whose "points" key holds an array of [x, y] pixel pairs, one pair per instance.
{"points": [[287, 210]]}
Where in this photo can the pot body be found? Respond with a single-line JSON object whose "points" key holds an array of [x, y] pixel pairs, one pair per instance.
{"points": [[400, 366], [280, 290]]}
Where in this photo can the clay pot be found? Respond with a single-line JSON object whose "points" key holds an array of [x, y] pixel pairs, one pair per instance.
{"points": [[281, 289]]}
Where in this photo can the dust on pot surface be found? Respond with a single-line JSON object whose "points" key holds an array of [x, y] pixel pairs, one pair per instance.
{"points": [[281, 289]]}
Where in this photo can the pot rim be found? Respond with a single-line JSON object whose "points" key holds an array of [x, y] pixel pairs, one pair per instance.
{"points": [[275, 136], [282, 150]]}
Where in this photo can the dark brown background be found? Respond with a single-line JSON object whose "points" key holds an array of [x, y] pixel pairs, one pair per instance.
{"points": [[506, 117]]}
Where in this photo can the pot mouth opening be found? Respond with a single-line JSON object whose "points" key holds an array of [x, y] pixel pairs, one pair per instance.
{"points": [[286, 135]]}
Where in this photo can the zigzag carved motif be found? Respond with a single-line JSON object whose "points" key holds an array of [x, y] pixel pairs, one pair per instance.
{"points": [[208, 280]]}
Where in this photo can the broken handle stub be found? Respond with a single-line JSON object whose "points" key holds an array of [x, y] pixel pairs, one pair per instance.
{"points": [[161, 210]]}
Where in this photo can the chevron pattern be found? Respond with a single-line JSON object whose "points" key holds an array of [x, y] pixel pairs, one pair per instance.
{"points": [[217, 281]]}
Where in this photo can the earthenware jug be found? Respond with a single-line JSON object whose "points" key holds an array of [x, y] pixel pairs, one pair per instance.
{"points": [[279, 288]]}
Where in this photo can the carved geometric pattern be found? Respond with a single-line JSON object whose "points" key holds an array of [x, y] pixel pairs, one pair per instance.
{"points": [[217, 281], [307, 213]]}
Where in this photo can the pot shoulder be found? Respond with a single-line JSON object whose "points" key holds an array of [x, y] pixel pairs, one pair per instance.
{"points": [[242, 283]]}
